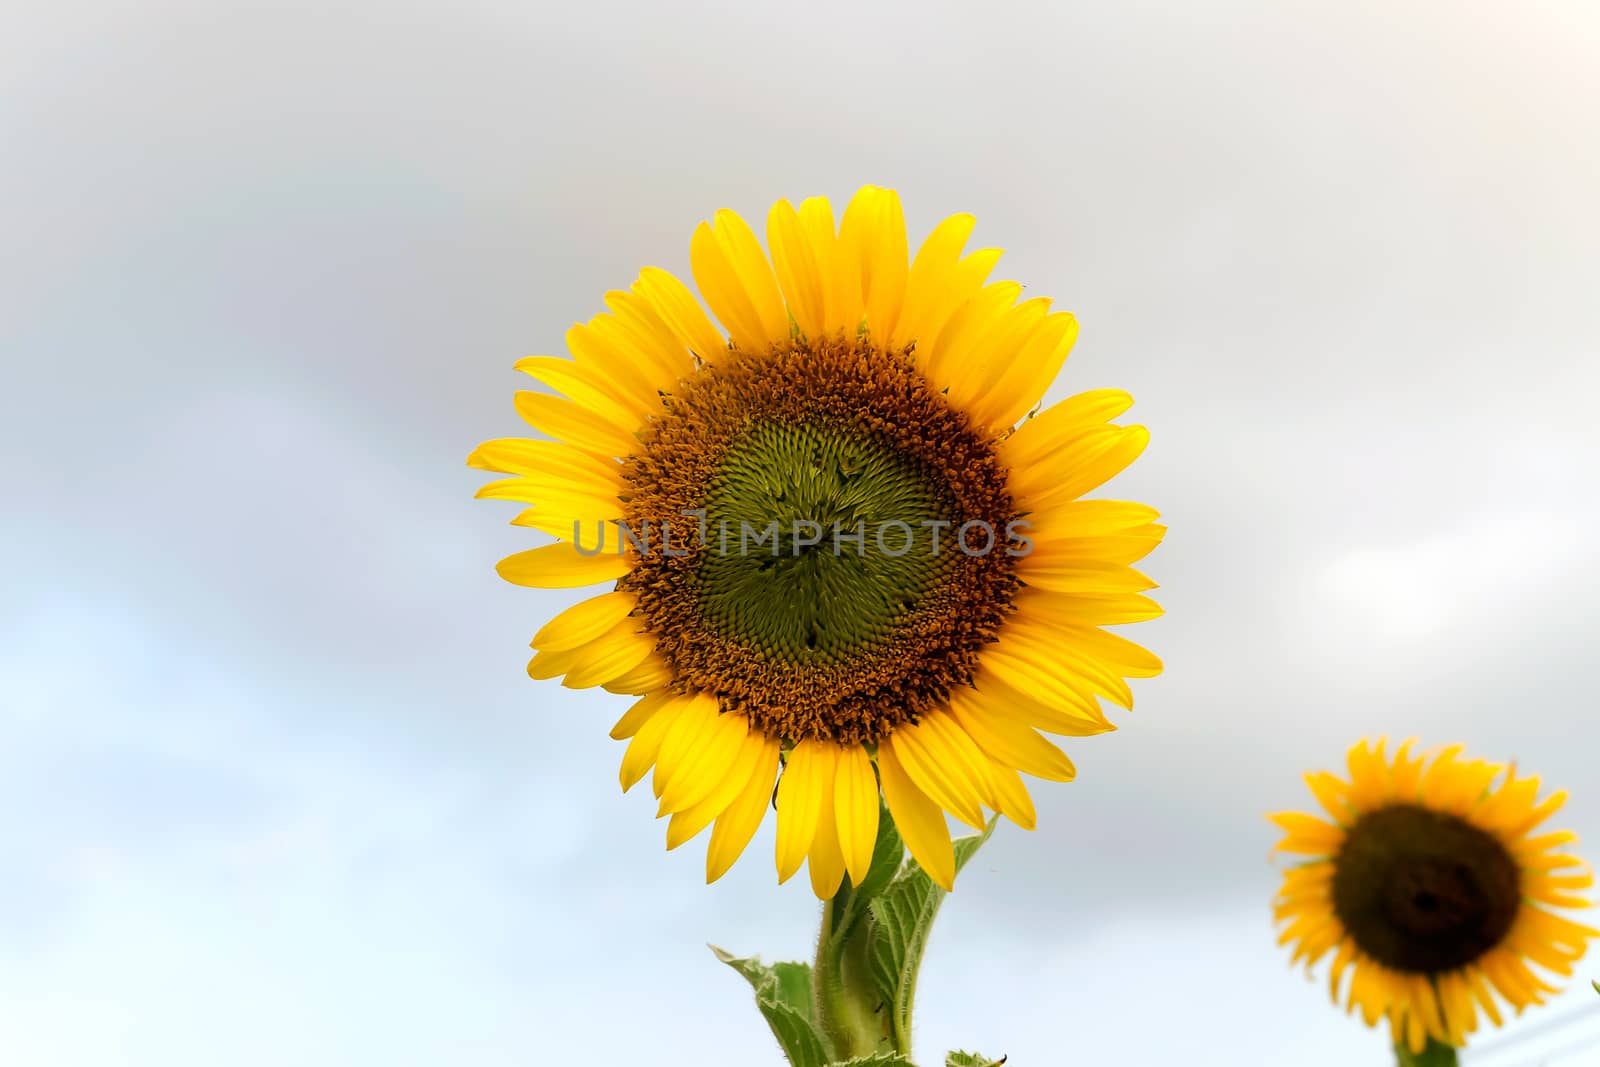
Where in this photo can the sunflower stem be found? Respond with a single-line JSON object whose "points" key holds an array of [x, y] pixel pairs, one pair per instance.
{"points": [[1434, 1054], [849, 1012]]}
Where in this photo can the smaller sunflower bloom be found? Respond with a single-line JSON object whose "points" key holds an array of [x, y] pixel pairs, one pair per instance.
{"points": [[1433, 887]]}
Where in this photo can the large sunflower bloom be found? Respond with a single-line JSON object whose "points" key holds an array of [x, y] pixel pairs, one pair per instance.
{"points": [[1432, 890], [833, 550]]}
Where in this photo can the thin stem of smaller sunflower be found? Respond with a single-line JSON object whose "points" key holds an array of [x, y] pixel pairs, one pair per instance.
{"points": [[847, 1010], [1434, 1054]]}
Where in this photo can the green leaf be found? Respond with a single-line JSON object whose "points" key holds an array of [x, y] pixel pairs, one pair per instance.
{"points": [[898, 923], [877, 1059], [887, 855], [787, 983], [971, 1059], [1436, 1054], [1596, 986], [794, 987], [783, 994]]}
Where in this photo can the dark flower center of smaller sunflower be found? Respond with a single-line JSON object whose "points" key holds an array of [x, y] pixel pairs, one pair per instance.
{"points": [[822, 587], [1424, 891]]}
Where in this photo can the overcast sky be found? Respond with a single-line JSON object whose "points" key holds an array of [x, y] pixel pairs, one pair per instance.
{"points": [[274, 787]]}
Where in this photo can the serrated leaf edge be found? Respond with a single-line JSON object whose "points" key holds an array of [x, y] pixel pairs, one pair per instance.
{"points": [[896, 980], [794, 1030]]}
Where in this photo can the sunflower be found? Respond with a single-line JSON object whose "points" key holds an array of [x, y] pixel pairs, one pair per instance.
{"points": [[846, 553], [1432, 890]]}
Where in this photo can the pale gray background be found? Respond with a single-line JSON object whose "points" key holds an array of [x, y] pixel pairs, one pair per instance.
{"points": [[273, 786]]}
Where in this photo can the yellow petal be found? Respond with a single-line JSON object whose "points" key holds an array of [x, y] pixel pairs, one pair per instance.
{"points": [[560, 519], [1482, 994], [635, 322], [1469, 786], [519, 455], [700, 770], [1077, 519], [855, 805], [560, 566], [825, 860], [688, 822], [570, 380], [1426, 1004], [964, 282], [1455, 998], [1086, 609], [952, 347], [841, 272], [623, 372], [1026, 670], [1023, 384], [810, 770], [931, 294], [874, 230], [737, 825], [1059, 426], [1080, 716], [1502, 809], [976, 374], [1070, 711], [958, 755], [1058, 562], [1416, 1033], [1542, 811], [1333, 794], [1446, 767], [737, 281], [546, 665], [1087, 577], [800, 274], [638, 714], [590, 500], [1129, 659], [1095, 459], [613, 655], [1316, 934], [1341, 960], [1010, 742], [570, 422], [693, 727], [1307, 834], [584, 621], [648, 676], [924, 759], [1054, 664], [678, 308], [1405, 775], [1555, 890], [1011, 796], [919, 820], [533, 483], [646, 744], [1370, 785], [1366, 993]]}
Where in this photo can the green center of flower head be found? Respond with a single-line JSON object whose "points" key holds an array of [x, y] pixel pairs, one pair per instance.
{"points": [[819, 542], [844, 539], [1424, 891]]}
